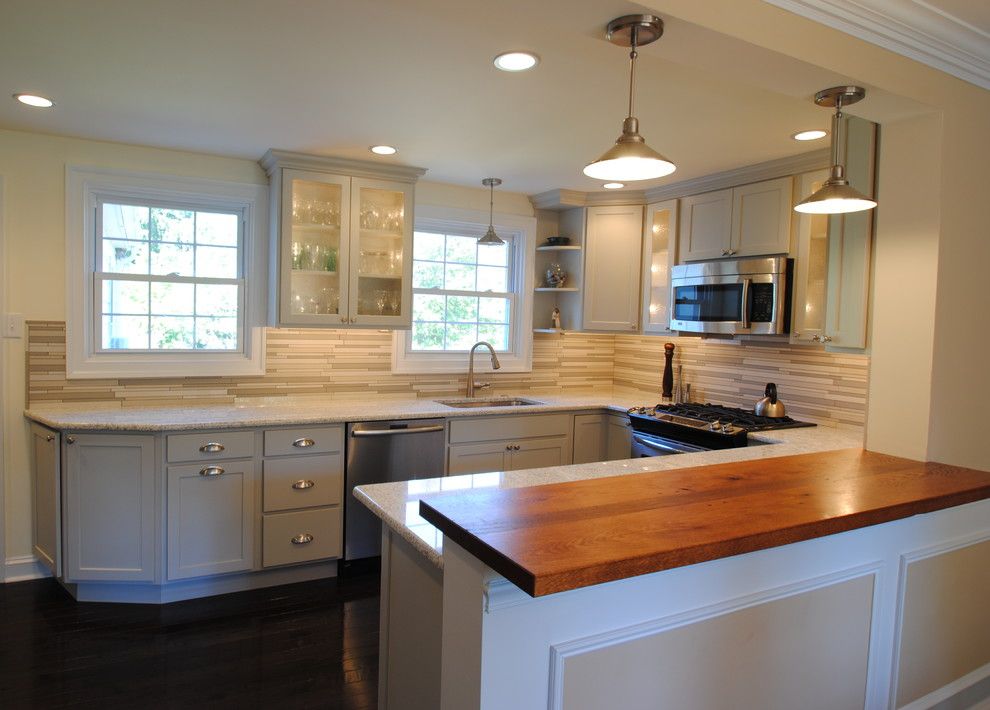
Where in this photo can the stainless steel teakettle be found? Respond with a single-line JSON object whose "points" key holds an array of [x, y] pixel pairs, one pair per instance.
{"points": [[770, 406]]}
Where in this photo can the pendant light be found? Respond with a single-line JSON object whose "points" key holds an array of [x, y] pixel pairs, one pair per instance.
{"points": [[630, 158], [490, 236], [836, 196]]}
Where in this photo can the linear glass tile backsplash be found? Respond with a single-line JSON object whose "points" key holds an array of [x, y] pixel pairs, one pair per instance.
{"points": [[339, 364]]}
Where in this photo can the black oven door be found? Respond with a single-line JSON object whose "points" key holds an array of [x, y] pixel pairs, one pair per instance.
{"points": [[647, 445]]}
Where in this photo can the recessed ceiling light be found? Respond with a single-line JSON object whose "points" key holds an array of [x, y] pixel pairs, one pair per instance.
{"points": [[516, 61], [613, 185], [383, 150], [34, 100], [809, 135]]}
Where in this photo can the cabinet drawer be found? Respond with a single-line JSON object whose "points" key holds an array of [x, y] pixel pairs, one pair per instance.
{"points": [[303, 482], [314, 440], [323, 527], [521, 427], [209, 445]]}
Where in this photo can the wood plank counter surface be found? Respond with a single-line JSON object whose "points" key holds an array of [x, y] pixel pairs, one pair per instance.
{"points": [[563, 536]]}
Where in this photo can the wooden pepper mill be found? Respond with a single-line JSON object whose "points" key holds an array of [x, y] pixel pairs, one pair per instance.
{"points": [[667, 393]]}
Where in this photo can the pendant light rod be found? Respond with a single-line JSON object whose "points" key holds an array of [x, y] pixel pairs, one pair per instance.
{"points": [[633, 54], [490, 236]]}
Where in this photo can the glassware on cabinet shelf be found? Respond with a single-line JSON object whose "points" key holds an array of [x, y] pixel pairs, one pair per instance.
{"points": [[395, 303], [381, 301]]}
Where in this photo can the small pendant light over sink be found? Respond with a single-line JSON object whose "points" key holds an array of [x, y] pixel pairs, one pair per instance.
{"points": [[630, 158], [836, 195], [490, 236]]}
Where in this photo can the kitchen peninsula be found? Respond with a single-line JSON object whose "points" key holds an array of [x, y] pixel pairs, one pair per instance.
{"points": [[804, 580]]}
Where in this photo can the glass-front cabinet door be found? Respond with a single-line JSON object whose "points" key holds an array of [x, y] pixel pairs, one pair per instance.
{"points": [[810, 267], [659, 239], [381, 252], [314, 248]]}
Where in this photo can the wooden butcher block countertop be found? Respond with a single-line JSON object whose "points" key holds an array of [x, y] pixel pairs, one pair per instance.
{"points": [[562, 536]]}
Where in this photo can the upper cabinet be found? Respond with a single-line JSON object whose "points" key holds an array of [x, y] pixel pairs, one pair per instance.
{"points": [[750, 220], [612, 265], [659, 229], [810, 265], [341, 242]]}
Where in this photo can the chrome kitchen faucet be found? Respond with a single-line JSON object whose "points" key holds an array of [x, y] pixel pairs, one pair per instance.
{"points": [[471, 384]]}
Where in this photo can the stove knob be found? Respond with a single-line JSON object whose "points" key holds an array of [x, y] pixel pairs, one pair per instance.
{"points": [[715, 425], [726, 428]]}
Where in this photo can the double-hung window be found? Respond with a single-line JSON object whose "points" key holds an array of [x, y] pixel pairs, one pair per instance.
{"points": [[165, 276], [464, 292]]}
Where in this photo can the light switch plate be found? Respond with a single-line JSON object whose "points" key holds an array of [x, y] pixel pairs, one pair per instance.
{"points": [[13, 325]]}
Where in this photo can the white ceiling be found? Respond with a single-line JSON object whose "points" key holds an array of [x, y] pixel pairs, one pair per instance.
{"points": [[236, 77]]}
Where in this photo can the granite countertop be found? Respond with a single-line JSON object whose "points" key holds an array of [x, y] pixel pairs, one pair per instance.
{"points": [[397, 504], [282, 411]]}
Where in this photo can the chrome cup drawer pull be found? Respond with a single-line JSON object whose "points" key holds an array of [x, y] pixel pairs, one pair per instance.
{"points": [[211, 471], [211, 447], [302, 539], [302, 485], [303, 443]]}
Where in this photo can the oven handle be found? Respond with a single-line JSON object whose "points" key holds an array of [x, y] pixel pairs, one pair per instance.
{"points": [[677, 448], [745, 302]]}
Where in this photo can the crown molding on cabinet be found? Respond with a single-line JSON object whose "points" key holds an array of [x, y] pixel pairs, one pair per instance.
{"points": [[781, 167], [347, 166], [911, 28]]}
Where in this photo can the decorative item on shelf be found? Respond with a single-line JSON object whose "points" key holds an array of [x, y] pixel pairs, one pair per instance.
{"points": [[555, 318], [558, 241], [556, 276], [381, 218], [490, 236], [330, 260], [836, 195], [630, 158]]}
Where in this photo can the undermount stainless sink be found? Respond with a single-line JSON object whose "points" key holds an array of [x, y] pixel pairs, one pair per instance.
{"points": [[492, 402]]}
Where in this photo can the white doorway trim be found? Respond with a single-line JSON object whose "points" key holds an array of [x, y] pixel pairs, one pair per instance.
{"points": [[3, 388]]}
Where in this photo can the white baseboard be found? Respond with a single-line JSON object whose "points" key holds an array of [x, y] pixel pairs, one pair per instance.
{"points": [[23, 568]]}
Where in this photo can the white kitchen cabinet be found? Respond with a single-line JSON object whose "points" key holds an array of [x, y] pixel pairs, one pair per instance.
{"points": [[342, 242], [110, 512], [659, 240], [810, 265], [618, 438], [589, 438], [832, 255], [613, 247], [496, 443], [749, 220], [850, 246], [45, 447], [211, 518]]}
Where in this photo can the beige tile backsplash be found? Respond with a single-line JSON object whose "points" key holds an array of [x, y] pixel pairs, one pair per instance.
{"points": [[340, 364]]}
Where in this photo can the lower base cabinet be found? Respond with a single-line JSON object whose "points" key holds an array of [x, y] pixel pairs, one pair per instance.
{"points": [[618, 438], [211, 514], [109, 506]]}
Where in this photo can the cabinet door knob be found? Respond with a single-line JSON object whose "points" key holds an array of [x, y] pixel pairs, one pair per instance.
{"points": [[303, 484], [50, 437], [212, 447], [302, 539], [508, 447], [211, 471], [826, 339], [303, 443], [343, 319], [70, 440], [353, 319]]}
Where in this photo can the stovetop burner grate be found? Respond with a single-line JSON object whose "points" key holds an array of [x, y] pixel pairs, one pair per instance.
{"points": [[731, 415]]}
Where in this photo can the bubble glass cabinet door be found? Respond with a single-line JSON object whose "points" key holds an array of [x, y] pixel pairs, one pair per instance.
{"points": [[314, 248], [810, 266], [659, 241]]}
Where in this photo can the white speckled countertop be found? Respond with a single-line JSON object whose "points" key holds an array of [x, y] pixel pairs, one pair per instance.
{"points": [[282, 411], [397, 504]]}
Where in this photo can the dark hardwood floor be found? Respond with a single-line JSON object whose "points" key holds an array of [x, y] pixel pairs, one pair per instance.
{"points": [[309, 645]]}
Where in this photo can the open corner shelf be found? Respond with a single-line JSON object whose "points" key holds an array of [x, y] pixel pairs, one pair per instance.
{"points": [[560, 247], [548, 289]]}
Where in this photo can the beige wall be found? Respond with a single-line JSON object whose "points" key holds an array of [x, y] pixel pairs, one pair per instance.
{"points": [[958, 384]]}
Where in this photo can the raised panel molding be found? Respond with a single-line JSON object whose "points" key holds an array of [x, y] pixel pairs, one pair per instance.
{"points": [[559, 653], [913, 29]]}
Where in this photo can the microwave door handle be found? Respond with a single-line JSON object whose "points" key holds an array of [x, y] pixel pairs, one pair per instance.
{"points": [[745, 302]]}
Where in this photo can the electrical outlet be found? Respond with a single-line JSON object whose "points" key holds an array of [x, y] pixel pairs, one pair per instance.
{"points": [[13, 325]]}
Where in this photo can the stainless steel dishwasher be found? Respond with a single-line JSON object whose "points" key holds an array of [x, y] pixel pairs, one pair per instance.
{"points": [[382, 452]]}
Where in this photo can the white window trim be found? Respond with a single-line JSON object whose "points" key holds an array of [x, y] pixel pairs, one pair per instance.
{"points": [[83, 359], [441, 219]]}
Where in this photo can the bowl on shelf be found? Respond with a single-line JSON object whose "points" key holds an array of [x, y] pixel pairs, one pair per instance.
{"points": [[558, 241]]}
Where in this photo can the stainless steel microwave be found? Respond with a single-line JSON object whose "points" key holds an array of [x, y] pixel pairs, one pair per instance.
{"points": [[732, 296]]}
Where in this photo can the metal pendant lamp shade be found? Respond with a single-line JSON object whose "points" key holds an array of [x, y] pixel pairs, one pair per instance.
{"points": [[836, 195], [631, 159], [490, 236]]}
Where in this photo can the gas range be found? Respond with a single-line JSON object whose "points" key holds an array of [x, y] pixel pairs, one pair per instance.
{"points": [[689, 427]]}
